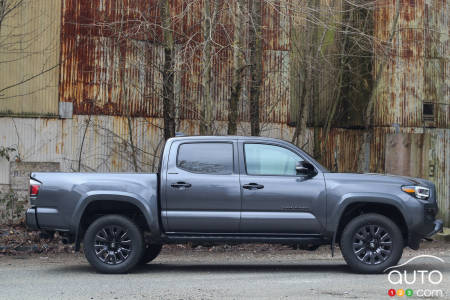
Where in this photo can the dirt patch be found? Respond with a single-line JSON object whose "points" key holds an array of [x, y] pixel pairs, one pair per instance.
{"points": [[15, 239]]}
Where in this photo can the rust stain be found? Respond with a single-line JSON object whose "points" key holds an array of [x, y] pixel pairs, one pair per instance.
{"points": [[104, 75], [416, 68]]}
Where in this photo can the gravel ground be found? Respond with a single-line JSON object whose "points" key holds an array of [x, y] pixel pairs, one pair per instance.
{"points": [[238, 272]]}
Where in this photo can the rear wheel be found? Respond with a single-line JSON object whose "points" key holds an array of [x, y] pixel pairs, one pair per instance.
{"points": [[113, 244], [370, 243], [151, 251]]}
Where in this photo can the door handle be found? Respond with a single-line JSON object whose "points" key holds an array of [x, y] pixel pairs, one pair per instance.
{"points": [[253, 186], [180, 184]]}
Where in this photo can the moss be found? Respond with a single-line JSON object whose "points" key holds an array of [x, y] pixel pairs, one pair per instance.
{"points": [[9, 113]]}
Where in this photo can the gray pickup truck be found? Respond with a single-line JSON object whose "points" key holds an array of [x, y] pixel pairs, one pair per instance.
{"points": [[229, 189]]}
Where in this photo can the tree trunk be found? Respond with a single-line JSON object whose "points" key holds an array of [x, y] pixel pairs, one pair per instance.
{"points": [[206, 111], [133, 148], [364, 151], [238, 67], [255, 45], [168, 72]]}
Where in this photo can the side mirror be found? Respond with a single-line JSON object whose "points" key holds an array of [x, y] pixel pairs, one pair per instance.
{"points": [[305, 168]]}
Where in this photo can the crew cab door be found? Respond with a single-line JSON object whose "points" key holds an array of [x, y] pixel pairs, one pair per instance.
{"points": [[202, 193], [275, 200]]}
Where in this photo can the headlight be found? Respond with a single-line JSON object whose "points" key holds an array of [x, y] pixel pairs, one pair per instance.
{"points": [[420, 192]]}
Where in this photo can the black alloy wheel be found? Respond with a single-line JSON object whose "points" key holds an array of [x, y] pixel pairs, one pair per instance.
{"points": [[113, 244], [371, 242]]}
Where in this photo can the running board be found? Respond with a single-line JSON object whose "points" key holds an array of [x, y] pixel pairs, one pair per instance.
{"points": [[239, 239]]}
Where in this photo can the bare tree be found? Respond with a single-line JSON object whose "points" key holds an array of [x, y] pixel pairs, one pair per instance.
{"points": [[238, 67], [209, 19], [168, 71], [256, 69], [327, 40], [364, 151]]}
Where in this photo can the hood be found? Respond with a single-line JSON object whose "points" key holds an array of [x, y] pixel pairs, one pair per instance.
{"points": [[411, 180], [387, 178]]}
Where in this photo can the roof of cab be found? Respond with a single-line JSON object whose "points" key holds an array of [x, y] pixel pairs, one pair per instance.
{"points": [[224, 137]]}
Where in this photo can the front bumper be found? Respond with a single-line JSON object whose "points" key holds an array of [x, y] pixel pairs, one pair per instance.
{"points": [[438, 227], [31, 219]]}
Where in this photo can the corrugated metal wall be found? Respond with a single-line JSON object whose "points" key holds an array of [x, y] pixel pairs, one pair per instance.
{"points": [[104, 74], [29, 46], [418, 70], [107, 78], [423, 153], [102, 144]]}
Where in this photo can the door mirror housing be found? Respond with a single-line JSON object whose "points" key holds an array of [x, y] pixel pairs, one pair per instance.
{"points": [[305, 168]]}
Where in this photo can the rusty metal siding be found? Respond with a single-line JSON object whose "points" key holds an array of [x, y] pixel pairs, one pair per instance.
{"points": [[425, 155], [102, 74], [275, 92], [340, 149], [437, 54], [408, 151], [98, 77], [30, 58], [422, 155], [417, 64], [106, 146], [102, 142], [276, 24], [222, 64]]}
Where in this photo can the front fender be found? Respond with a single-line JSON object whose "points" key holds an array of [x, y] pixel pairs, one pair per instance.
{"points": [[336, 211]]}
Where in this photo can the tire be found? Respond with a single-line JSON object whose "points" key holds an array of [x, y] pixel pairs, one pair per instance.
{"points": [[113, 244], [370, 243], [150, 253]]}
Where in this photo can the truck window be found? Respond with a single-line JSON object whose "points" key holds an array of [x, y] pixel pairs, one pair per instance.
{"points": [[206, 158], [262, 159]]}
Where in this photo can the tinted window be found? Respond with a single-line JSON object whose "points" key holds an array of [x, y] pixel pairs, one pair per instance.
{"points": [[263, 159], [206, 158]]}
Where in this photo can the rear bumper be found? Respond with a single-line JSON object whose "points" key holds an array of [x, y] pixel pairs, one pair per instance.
{"points": [[438, 227], [31, 219]]}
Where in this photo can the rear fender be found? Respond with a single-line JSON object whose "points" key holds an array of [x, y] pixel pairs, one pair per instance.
{"points": [[144, 206]]}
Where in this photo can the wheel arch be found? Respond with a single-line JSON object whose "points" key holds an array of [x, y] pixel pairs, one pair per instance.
{"points": [[99, 204], [357, 208]]}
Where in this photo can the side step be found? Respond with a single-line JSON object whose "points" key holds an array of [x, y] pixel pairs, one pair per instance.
{"points": [[239, 239]]}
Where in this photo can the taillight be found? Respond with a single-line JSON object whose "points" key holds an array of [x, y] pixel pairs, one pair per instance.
{"points": [[34, 188]]}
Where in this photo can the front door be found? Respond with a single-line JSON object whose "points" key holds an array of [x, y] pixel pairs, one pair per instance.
{"points": [[275, 200], [202, 188]]}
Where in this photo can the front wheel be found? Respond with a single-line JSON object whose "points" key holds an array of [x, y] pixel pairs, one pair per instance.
{"points": [[370, 243], [113, 244]]}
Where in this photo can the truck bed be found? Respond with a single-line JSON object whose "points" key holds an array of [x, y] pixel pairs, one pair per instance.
{"points": [[64, 196]]}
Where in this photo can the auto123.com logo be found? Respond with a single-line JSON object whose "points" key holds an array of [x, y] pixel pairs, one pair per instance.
{"points": [[419, 283]]}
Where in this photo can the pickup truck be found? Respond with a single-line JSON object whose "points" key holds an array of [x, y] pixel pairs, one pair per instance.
{"points": [[232, 189]]}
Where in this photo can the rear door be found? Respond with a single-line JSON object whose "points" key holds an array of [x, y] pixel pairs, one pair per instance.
{"points": [[202, 187], [275, 200]]}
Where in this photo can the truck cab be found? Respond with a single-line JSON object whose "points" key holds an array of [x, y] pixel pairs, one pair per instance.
{"points": [[241, 186]]}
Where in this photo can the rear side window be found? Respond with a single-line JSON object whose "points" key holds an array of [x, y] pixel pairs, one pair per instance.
{"points": [[206, 158]]}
